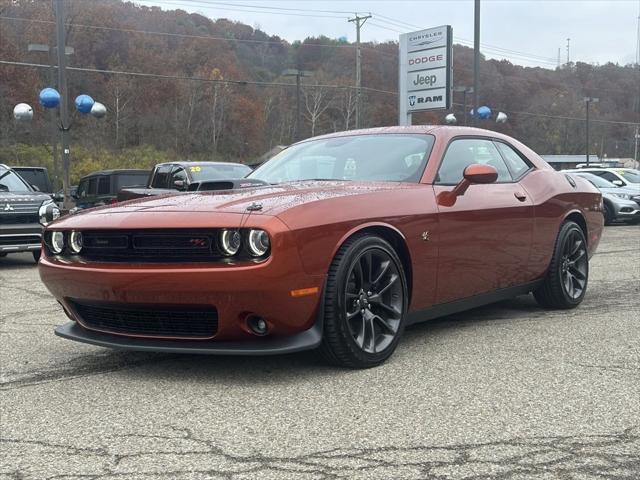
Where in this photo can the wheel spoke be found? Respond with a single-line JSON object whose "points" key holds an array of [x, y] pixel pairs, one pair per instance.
{"points": [[577, 273], [383, 270], [392, 279], [387, 326], [359, 274], [578, 256], [379, 303], [352, 315], [368, 268]]}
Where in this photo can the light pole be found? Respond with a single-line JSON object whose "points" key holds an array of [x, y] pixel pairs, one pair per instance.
{"points": [[588, 101], [294, 72], [464, 91], [476, 58]]}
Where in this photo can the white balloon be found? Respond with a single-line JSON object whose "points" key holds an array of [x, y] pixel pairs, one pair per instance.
{"points": [[502, 118], [98, 110], [23, 112], [450, 119]]}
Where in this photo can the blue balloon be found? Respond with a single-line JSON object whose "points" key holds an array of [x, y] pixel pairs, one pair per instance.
{"points": [[484, 112], [84, 103], [49, 98]]}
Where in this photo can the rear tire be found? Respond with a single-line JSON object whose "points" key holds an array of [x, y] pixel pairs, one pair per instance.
{"points": [[608, 215], [365, 303], [566, 281]]}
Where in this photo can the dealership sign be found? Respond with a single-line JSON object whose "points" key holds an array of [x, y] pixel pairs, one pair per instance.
{"points": [[425, 71]]}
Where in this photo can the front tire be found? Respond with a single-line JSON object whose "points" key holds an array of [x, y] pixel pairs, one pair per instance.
{"points": [[566, 281], [608, 215], [365, 303]]}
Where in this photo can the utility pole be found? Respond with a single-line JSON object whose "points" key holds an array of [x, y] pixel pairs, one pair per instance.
{"points": [[476, 58], [635, 150], [558, 57], [64, 101], [37, 47], [294, 72], [589, 100], [568, 42], [359, 21]]}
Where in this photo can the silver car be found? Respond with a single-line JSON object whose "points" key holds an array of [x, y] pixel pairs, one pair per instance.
{"points": [[620, 203]]}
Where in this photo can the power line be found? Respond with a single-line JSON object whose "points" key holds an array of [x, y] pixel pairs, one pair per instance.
{"points": [[268, 8], [184, 77], [282, 84]]}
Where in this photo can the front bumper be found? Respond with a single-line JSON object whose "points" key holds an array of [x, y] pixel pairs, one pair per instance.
{"points": [[20, 240], [305, 340], [628, 213]]}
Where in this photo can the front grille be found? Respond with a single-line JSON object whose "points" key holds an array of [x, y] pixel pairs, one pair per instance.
{"points": [[151, 246], [18, 219], [173, 321], [8, 240]]}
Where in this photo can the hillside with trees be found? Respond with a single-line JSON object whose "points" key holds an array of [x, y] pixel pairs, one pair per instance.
{"points": [[214, 89]]}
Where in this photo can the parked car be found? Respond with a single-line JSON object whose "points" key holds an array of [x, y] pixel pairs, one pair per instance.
{"points": [[101, 188], [621, 177], [347, 239], [181, 176], [23, 213], [620, 203]]}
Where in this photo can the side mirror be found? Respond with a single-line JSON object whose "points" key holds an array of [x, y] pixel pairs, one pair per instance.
{"points": [[475, 173], [179, 184], [57, 197], [618, 183]]}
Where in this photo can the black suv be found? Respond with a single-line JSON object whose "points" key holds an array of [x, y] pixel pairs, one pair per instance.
{"points": [[23, 214], [101, 188]]}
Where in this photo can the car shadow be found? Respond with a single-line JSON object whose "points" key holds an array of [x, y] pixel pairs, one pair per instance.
{"points": [[252, 370], [18, 260]]}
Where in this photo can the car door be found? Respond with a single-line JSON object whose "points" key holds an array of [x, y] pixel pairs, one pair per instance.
{"points": [[485, 236]]}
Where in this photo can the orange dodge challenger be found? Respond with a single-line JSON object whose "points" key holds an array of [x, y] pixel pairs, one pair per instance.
{"points": [[337, 243]]}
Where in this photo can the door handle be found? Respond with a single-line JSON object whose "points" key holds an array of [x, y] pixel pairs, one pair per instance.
{"points": [[520, 196]]}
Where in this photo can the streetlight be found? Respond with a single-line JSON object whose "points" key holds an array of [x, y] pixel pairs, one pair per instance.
{"points": [[294, 72], [464, 91], [589, 100]]}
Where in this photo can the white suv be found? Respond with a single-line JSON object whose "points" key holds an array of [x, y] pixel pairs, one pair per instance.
{"points": [[622, 177]]}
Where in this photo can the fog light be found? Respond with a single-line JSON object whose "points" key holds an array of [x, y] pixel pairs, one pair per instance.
{"points": [[257, 325]]}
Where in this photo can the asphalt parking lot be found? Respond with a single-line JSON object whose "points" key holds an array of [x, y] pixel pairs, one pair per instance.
{"points": [[507, 391]]}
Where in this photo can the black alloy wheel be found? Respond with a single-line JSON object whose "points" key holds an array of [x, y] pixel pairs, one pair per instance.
{"points": [[565, 283], [373, 300], [365, 303], [575, 265]]}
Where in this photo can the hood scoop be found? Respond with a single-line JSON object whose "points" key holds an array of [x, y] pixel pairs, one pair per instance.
{"points": [[213, 185]]}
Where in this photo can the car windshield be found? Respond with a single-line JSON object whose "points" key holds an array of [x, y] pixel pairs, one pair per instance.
{"points": [[11, 182], [231, 171], [597, 181], [382, 157], [632, 176]]}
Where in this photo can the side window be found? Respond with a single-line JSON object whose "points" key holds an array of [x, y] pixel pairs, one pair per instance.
{"points": [[161, 177], [91, 189], [178, 174], [82, 189], [517, 165], [104, 185], [466, 151], [606, 175]]}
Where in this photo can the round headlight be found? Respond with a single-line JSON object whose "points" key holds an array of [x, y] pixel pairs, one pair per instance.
{"points": [[258, 242], [230, 241], [75, 242], [48, 212], [57, 242]]}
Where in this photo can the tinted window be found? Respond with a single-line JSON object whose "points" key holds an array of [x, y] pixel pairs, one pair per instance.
{"points": [[161, 177], [82, 189], [466, 151], [388, 157], [104, 185], [91, 188], [514, 161], [597, 181], [124, 180], [606, 175], [632, 176]]}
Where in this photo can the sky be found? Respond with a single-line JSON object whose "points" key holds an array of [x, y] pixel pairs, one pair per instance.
{"points": [[526, 32]]}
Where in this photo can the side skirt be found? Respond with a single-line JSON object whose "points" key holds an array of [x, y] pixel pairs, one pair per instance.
{"points": [[468, 303]]}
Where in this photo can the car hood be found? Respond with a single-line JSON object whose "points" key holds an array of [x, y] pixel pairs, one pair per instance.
{"points": [[622, 190], [270, 200], [21, 198]]}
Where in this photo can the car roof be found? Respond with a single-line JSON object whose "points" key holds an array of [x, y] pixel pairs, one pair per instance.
{"points": [[116, 170], [192, 162], [23, 167]]}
